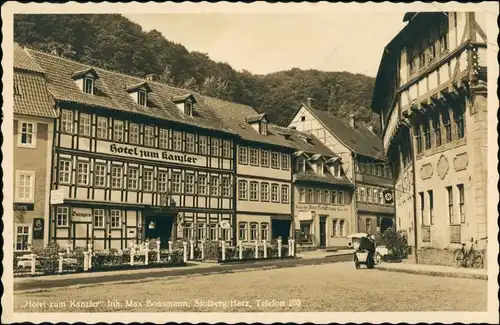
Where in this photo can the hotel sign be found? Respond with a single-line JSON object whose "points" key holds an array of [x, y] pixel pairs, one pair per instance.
{"points": [[131, 151], [325, 207]]}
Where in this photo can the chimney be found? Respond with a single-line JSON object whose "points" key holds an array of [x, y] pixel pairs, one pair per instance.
{"points": [[352, 121], [150, 77], [309, 101]]}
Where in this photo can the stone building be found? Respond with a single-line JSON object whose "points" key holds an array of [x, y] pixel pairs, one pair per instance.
{"points": [[430, 92], [34, 117]]}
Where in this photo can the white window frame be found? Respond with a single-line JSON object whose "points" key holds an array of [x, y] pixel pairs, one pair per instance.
{"points": [[32, 143], [99, 213], [285, 194], [149, 136], [202, 145], [67, 121], [264, 231], [133, 133], [189, 183], [226, 149], [254, 191], [243, 190], [163, 139], [133, 178], [243, 231], [275, 160], [142, 97], [176, 182], [177, 141], [214, 147], [202, 184], [264, 158], [285, 161], [254, 157], [118, 131], [254, 231], [275, 193], [148, 180], [113, 215], [32, 176], [85, 125], [117, 178], [29, 234], [98, 176], [226, 186], [243, 155], [86, 89], [83, 174], [62, 212], [190, 143], [64, 173], [264, 192], [102, 127], [162, 181], [214, 185]]}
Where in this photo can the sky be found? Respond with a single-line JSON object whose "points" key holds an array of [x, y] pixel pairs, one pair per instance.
{"points": [[267, 42]]}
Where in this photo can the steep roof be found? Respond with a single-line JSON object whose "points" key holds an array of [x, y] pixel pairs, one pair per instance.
{"points": [[110, 93], [31, 96], [22, 61], [234, 117], [311, 145], [255, 118], [360, 140]]}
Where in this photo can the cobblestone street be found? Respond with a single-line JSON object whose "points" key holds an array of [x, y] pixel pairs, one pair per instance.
{"points": [[330, 288]]}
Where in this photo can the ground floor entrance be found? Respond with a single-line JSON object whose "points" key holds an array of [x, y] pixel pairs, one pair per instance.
{"points": [[161, 227], [281, 228]]}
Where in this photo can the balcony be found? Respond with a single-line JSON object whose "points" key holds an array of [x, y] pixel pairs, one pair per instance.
{"points": [[455, 234]]}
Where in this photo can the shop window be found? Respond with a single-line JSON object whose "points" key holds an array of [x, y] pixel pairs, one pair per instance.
{"points": [[306, 231]]}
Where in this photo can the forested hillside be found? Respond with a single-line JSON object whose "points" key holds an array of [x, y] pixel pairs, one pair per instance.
{"points": [[114, 42]]}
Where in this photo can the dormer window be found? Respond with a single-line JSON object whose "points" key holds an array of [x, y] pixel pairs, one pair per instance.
{"points": [[142, 98], [85, 80], [185, 103], [139, 92], [258, 122], [88, 85]]}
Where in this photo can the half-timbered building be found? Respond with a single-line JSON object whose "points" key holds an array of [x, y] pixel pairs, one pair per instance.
{"points": [[431, 95], [135, 159]]}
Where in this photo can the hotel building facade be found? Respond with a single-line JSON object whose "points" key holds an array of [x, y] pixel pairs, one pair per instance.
{"points": [[431, 95]]}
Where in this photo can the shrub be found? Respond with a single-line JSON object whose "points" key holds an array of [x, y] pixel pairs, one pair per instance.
{"points": [[212, 251], [396, 243]]}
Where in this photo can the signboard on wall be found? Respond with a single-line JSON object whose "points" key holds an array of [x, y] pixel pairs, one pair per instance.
{"points": [[318, 207], [38, 228], [130, 151], [24, 206], [57, 196], [81, 215]]}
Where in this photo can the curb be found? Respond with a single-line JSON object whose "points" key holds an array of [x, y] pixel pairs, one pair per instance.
{"points": [[250, 268], [435, 273]]}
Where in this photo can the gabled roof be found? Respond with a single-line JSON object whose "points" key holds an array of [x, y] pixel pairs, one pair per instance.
{"points": [[22, 61], [312, 146], [33, 97], [177, 99], [110, 94], [82, 73], [255, 118], [359, 140], [142, 84]]}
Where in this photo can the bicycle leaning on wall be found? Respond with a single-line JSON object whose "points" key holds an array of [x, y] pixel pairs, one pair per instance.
{"points": [[470, 258]]}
